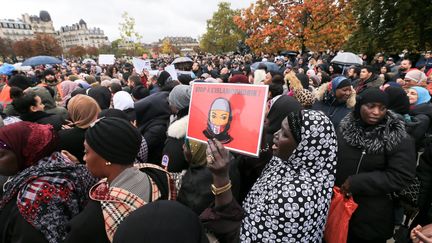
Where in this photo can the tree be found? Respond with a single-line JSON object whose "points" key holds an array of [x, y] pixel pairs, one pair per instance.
{"points": [[77, 51], [391, 26], [130, 39], [44, 44], [275, 25], [92, 51], [23, 48], [6, 49], [167, 48], [222, 33]]}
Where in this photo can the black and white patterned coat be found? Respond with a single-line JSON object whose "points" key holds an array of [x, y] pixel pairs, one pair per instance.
{"points": [[290, 200]]}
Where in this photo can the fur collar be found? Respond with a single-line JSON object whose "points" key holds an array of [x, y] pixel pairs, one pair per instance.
{"points": [[376, 139], [321, 92], [178, 128]]}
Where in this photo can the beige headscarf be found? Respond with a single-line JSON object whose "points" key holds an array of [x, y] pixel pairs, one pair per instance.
{"points": [[83, 110], [198, 152]]}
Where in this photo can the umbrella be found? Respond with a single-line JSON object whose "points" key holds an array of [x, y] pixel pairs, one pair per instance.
{"points": [[289, 53], [271, 66], [88, 60], [7, 69], [347, 58], [181, 60], [18, 66], [41, 60]]}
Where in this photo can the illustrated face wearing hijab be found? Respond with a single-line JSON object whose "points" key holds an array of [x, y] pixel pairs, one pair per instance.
{"points": [[219, 115], [284, 142], [412, 95]]}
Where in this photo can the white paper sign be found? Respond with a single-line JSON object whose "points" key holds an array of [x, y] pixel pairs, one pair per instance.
{"points": [[171, 70], [141, 65], [108, 59]]}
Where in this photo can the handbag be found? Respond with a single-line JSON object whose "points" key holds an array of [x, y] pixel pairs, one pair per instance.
{"points": [[341, 210]]}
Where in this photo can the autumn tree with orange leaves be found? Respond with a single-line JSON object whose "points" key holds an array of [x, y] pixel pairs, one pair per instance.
{"points": [[276, 25]]}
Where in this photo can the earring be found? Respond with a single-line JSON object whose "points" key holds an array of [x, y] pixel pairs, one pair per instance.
{"points": [[107, 163]]}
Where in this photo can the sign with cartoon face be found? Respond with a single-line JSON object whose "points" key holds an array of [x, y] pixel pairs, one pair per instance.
{"points": [[231, 113]]}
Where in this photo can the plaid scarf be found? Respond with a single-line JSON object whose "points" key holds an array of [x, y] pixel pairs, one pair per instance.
{"points": [[117, 203], [49, 194]]}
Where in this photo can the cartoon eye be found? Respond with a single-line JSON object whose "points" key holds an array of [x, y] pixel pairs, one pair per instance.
{"points": [[213, 115], [224, 117]]}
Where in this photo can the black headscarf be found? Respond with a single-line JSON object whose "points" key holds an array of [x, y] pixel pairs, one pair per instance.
{"points": [[102, 95], [161, 221], [398, 100]]}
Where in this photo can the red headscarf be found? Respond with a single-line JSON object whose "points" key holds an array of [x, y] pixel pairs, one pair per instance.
{"points": [[29, 141]]}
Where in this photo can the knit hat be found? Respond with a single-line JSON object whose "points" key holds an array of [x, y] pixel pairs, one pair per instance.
{"points": [[339, 83], [370, 95], [239, 78], [398, 100], [422, 94], [416, 76], [295, 125], [114, 139], [180, 96]]}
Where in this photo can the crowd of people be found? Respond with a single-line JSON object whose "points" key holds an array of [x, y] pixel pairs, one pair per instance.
{"points": [[92, 153]]}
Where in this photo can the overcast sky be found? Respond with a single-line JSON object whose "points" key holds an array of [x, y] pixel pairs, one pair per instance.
{"points": [[155, 19]]}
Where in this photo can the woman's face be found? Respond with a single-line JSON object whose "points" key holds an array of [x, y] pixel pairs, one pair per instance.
{"points": [[268, 78], [39, 105], [343, 94], [219, 118], [94, 162], [372, 113], [8, 163], [284, 142], [412, 96], [383, 70]]}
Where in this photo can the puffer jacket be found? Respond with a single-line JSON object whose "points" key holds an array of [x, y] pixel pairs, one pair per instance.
{"points": [[328, 104], [378, 160]]}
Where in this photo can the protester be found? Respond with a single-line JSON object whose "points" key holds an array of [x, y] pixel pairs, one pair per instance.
{"points": [[291, 198], [102, 95], [44, 189], [124, 102], [376, 157], [335, 99]]}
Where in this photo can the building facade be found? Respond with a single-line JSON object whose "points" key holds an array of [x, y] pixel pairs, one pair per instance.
{"points": [[41, 24], [80, 35], [184, 44], [15, 30]]}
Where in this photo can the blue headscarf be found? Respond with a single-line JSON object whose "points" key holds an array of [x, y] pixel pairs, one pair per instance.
{"points": [[339, 82], [422, 94]]}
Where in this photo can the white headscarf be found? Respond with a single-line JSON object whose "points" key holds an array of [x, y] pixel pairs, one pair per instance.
{"points": [[122, 100]]}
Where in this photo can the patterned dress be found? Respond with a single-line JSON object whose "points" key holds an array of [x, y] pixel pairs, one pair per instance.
{"points": [[290, 200]]}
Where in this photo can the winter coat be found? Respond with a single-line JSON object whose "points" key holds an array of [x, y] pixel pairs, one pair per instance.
{"points": [[42, 117], [328, 104], [417, 128], [172, 155], [152, 115], [373, 82], [378, 160]]}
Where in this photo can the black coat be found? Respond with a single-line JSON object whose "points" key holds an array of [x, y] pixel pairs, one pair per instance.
{"points": [[152, 115], [173, 157], [377, 173], [42, 117], [334, 110], [72, 140], [15, 229]]}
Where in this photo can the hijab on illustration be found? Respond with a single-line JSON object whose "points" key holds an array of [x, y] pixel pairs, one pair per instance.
{"points": [[219, 121]]}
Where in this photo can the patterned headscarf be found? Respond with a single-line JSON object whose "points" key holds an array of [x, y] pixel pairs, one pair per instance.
{"points": [[295, 125], [290, 199], [30, 142]]}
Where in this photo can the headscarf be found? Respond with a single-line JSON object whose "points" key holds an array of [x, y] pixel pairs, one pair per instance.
{"points": [[295, 125], [398, 100], [305, 97], [102, 95], [67, 88], [422, 94], [339, 83], [114, 139], [239, 78], [83, 110], [259, 76], [83, 84], [122, 100], [296, 192], [370, 95], [161, 221], [198, 152], [30, 142], [163, 78], [179, 97]]}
